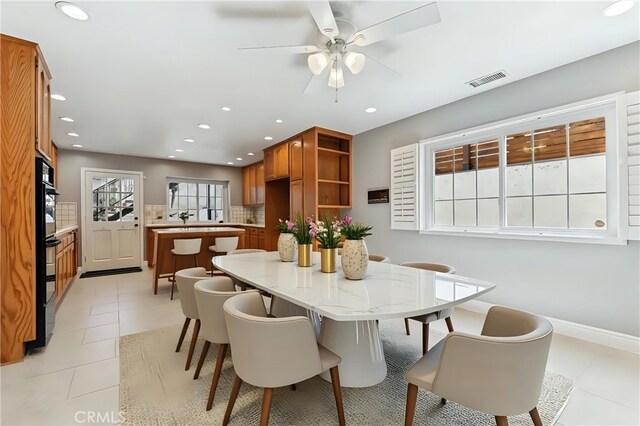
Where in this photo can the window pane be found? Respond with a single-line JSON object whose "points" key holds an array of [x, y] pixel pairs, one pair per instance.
{"points": [[519, 148], [587, 137], [203, 214], [219, 216], [550, 177], [488, 212], [464, 185], [488, 183], [98, 183], [183, 203], [443, 187], [464, 158], [193, 203], [519, 212], [444, 161], [550, 143], [443, 213], [588, 174], [519, 180], [550, 211], [218, 203], [586, 209], [127, 214], [465, 213], [488, 154], [173, 215]]}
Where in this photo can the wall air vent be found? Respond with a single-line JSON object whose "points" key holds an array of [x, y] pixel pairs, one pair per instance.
{"points": [[487, 79]]}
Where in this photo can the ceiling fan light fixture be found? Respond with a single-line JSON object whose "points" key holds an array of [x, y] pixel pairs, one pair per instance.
{"points": [[336, 78], [318, 62], [354, 61]]}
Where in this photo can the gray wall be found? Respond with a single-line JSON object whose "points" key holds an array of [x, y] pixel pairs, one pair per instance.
{"points": [[155, 174], [596, 285]]}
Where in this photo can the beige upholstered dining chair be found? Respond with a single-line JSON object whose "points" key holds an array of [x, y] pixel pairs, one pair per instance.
{"points": [[184, 247], [434, 316], [210, 295], [185, 280], [379, 258], [288, 352], [499, 372]]}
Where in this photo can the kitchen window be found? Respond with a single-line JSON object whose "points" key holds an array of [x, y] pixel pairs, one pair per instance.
{"points": [[554, 174], [203, 200]]}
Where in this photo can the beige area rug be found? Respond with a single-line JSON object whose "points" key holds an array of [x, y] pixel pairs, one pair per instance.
{"points": [[155, 389]]}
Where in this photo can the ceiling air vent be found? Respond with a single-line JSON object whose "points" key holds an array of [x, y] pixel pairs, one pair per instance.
{"points": [[487, 79]]}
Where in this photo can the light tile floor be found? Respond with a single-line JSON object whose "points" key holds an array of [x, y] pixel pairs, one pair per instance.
{"points": [[78, 376]]}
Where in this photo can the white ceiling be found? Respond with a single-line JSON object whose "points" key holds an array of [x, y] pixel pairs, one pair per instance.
{"points": [[140, 76]]}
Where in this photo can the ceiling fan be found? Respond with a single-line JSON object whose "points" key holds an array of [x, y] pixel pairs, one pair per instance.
{"points": [[343, 36]]}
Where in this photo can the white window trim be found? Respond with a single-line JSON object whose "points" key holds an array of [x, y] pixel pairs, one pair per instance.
{"points": [[226, 200], [617, 173]]}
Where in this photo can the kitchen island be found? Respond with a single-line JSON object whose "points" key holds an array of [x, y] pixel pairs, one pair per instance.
{"points": [[163, 243]]}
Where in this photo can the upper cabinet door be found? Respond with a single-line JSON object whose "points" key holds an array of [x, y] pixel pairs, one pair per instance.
{"points": [[295, 159], [269, 164], [43, 109], [246, 187], [260, 183], [282, 160]]}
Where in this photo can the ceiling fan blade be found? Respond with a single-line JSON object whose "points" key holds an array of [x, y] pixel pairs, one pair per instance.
{"points": [[382, 64], [287, 49], [323, 15], [420, 17]]}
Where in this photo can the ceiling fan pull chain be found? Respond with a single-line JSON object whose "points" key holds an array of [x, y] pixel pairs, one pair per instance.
{"points": [[336, 101]]}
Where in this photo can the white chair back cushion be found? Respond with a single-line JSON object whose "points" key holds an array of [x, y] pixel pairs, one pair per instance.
{"points": [[226, 244], [185, 279], [210, 296], [269, 352], [187, 246], [379, 258], [501, 371], [436, 267]]}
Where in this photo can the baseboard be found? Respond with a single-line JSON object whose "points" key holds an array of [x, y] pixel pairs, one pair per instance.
{"points": [[600, 336]]}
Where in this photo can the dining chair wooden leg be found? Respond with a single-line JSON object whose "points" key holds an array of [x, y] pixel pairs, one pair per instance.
{"points": [[293, 387], [449, 324], [535, 416], [406, 327], [266, 406], [185, 327], [412, 397], [203, 356], [173, 278], [443, 401], [425, 338], [195, 258], [222, 351], [502, 421], [337, 393], [192, 346], [232, 400]]}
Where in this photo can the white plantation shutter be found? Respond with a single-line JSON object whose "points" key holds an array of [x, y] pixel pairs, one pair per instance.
{"points": [[404, 187], [633, 161]]}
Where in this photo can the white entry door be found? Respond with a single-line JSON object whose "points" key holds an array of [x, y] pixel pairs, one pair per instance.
{"points": [[111, 233]]}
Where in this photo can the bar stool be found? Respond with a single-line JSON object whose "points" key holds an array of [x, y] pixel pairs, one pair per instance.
{"points": [[223, 245], [184, 247]]}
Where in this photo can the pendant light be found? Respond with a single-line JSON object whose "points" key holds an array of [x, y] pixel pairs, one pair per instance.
{"points": [[318, 62], [354, 61]]}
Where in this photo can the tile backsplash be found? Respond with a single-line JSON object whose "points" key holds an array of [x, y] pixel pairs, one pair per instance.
{"points": [[66, 214], [157, 213]]}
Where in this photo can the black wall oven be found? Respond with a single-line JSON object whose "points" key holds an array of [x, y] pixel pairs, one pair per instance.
{"points": [[46, 243]]}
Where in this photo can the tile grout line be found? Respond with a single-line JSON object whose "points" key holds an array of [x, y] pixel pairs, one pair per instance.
{"points": [[97, 390], [71, 382]]}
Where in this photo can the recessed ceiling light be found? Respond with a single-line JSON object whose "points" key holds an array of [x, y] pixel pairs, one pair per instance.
{"points": [[239, 159], [76, 145], [250, 153], [617, 8], [268, 138], [72, 11], [225, 108], [179, 150], [370, 110], [75, 135], [230, 163], [171, 156], [278, 121], [204, 126], [67, 119], [189, 140], [58, 97]]}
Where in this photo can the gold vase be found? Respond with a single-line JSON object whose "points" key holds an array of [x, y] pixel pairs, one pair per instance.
{"points": [[304, 254], [328, 260]]}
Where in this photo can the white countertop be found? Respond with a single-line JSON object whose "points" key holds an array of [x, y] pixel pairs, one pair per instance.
{"points": [[65, 229], [387, 291], [182, 230], [201, 224]]}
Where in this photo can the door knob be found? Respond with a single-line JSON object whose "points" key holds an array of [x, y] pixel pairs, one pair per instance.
{"points": [[136, 225], [135, 218]]}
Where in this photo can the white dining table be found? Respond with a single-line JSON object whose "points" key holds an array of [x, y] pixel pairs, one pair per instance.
{"points": [[350, 309]]}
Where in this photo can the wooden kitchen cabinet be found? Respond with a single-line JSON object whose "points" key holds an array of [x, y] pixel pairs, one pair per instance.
{"points": [[261, 239], [276, 162], [295, 160], [43, 106], [66, 263], [253, 184], [296, 199], [253, 238]]}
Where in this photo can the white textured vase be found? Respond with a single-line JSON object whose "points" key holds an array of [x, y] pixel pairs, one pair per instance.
{"points": [[354, 259], [287, 247]]}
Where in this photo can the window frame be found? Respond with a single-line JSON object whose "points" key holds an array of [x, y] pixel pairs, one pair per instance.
{"points": [[612, 107], [226, 210]]}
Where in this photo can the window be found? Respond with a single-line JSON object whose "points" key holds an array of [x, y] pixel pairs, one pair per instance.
{"points": [[112, 199], [203, 200], [551, 174]]}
